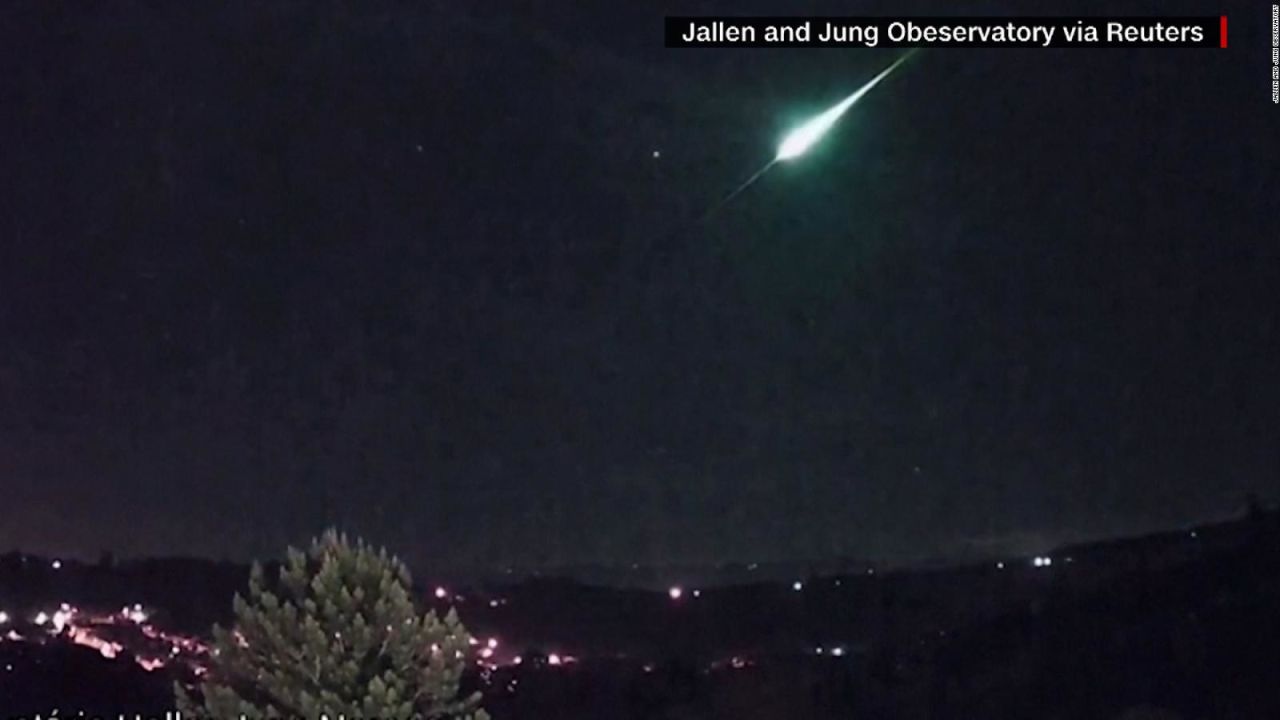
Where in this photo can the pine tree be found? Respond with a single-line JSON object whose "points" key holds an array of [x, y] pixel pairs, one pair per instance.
{"points": [[337, 634]]}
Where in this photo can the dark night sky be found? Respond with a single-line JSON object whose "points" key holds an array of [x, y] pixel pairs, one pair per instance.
{"points": [[267, 267]]}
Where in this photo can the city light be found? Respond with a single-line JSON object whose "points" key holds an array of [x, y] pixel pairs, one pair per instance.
{"points": [[134, 614], [151, 648], [61, 617], [675, 593]]}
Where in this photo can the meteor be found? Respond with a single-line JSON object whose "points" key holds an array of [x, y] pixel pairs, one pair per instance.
{"points": [[804, 137], [798, 141]]}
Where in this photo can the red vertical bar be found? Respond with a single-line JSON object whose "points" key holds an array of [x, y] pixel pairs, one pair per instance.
{"points": [[1222, 32]]}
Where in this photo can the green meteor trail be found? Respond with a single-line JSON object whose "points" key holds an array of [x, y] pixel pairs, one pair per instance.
{"points": [[798, 141], [803, 137]]}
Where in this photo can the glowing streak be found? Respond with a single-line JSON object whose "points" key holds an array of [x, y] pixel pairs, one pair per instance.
{"points": [[804, 137], [740, 188]]}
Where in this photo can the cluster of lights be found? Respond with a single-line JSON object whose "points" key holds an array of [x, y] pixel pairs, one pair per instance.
{"points": [[84, 630], [87, 629], [554, 659], [135, 614], [486, 652], [1042, 561], [676, 592], [442, 593]]}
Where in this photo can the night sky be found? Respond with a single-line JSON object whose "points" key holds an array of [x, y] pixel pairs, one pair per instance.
{"points": [[416, 271]]}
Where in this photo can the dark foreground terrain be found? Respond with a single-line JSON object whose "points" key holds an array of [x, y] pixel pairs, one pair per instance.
{"points": [[1177, 625]]}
